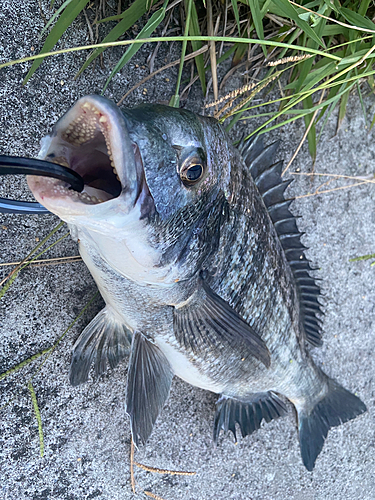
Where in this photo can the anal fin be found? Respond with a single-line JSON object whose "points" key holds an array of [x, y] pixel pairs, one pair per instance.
{"points": [[247, 414], [105, 340], [149, 381]]}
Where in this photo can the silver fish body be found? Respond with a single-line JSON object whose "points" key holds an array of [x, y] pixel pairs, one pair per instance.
{"points": [[200, 264]]}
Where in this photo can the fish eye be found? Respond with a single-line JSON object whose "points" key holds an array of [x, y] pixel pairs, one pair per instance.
{"points": [[190, 174]]}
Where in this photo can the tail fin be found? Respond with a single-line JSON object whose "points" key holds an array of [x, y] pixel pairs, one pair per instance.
{"points": [[337, 407]]}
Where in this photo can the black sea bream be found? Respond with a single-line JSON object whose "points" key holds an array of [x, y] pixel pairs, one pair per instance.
{"points": [[200, 264]]}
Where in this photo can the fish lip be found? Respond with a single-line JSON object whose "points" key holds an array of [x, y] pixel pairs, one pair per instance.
{"points": [[102, 119]]}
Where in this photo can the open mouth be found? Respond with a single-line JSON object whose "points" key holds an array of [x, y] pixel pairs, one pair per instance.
{"points": [[91, 139], [85, 147]]}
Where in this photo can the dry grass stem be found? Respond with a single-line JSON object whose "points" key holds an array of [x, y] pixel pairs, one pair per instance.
{"points": [[152, 57], [305, 134], [152, 495], [211, 31], [89, 27], [132, 478], [172, 5], [190, 84], [244, 63], [317, 192], [57, 260], [285, 60], [13, 271], [164, 471], [280, 21], [258, 88], [169, 65], [370, 179], [150, 469], [225, 26], [232, 95]]}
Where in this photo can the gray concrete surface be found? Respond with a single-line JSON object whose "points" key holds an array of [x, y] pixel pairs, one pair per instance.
{"points": [[86, 431]]}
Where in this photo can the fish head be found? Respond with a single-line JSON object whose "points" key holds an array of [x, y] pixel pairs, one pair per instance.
{"points": [[153, 169]]}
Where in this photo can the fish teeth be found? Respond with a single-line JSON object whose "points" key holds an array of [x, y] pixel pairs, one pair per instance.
{"points": [[60, 160], [84, 128], [88, 199]]}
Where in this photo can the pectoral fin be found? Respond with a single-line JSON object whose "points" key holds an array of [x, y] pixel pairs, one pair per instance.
{"points": [[208, 320], [149, 382], [105, 340]]}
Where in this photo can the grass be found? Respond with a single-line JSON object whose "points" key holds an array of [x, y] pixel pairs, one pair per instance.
{"points": [[364, 257], [337, 36]]}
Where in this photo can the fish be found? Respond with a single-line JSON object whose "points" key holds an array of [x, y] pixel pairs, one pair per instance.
{"points": [[199, 260]]}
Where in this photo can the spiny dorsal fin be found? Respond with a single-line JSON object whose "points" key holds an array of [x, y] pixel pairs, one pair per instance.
{"points": [[267, 177]]}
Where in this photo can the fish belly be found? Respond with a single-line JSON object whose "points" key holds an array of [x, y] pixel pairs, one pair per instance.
{"points": [[185, 369]]}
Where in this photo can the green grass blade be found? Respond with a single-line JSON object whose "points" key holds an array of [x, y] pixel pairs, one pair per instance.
{"points": [[327, 115], [203, 38], [175, 99], [362, 103], [311, 136], [236, 14], [5, 288], [38, 417], [357, 20], [239, 49], [117, 17], [333, 4], [258, 21], [239, 53], [329, 100], [342, 109], [363, 257], [353, 58], [131, 16], [289, 11], [314, 77], [65, 20], [24, 363], [373, 122], [363, 7], [261, 131], [154, 21], [56, 14], [195, 31]]}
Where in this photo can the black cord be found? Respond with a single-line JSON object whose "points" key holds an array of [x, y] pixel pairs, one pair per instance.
{"points": [[30, 166]]}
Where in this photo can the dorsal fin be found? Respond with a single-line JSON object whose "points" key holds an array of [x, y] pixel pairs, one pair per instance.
{"points": [[267, 177]]}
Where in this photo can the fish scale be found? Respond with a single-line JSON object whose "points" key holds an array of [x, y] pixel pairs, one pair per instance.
{"points": [[205, 273]]}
